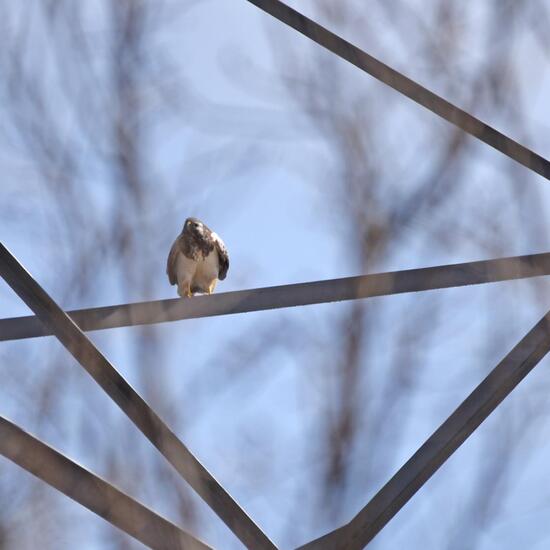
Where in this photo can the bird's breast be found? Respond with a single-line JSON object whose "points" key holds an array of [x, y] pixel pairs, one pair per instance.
{"points": [[207, 269]]}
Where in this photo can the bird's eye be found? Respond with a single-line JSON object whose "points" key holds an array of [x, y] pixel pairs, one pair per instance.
{"points": [[195, 225]]}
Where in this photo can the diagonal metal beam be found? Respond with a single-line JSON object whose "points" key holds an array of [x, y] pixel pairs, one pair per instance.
{"points": [[131, 403], [91, 491], [406, 86], [317, 292], [441, 444]]}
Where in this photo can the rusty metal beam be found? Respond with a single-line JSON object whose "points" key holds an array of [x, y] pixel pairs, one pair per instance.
{"points": [[91, 491], [317, 292], [131, 403], [441, 444], [404, 85]]}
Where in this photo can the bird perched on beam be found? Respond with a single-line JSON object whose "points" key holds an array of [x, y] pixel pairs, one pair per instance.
{"points": [[197, 259]]}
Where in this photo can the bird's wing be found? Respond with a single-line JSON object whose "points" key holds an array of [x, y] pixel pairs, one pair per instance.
{"points": [[223, 256], [171, 263]]}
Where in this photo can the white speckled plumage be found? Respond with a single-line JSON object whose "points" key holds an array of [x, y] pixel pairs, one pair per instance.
{"points": [[200, 275]]}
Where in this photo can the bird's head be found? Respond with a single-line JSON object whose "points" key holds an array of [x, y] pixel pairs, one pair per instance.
{"points": [[193, 226]]}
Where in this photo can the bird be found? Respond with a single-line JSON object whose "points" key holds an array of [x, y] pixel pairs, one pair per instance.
{"points": [[197, 259]]}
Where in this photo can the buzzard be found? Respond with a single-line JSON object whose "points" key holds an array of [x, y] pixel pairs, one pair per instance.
{"points": [[197, 259]]}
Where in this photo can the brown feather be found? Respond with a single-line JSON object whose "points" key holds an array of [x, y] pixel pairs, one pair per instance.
{"points": [[223, 258], [172, 260]]}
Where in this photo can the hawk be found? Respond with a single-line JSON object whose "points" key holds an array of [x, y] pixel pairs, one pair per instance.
{"points": [[197, 259]]}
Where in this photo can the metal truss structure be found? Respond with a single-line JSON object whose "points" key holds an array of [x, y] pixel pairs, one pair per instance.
{"points": [[156, 532]]}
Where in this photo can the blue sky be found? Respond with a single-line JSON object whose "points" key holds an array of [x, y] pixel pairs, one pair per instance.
{"points": [[261, 176]]}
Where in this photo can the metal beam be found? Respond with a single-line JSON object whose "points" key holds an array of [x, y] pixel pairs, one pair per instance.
{"points": [[441, 444], [91, 491], [131, 403], [406, 86], [318, 292]]}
